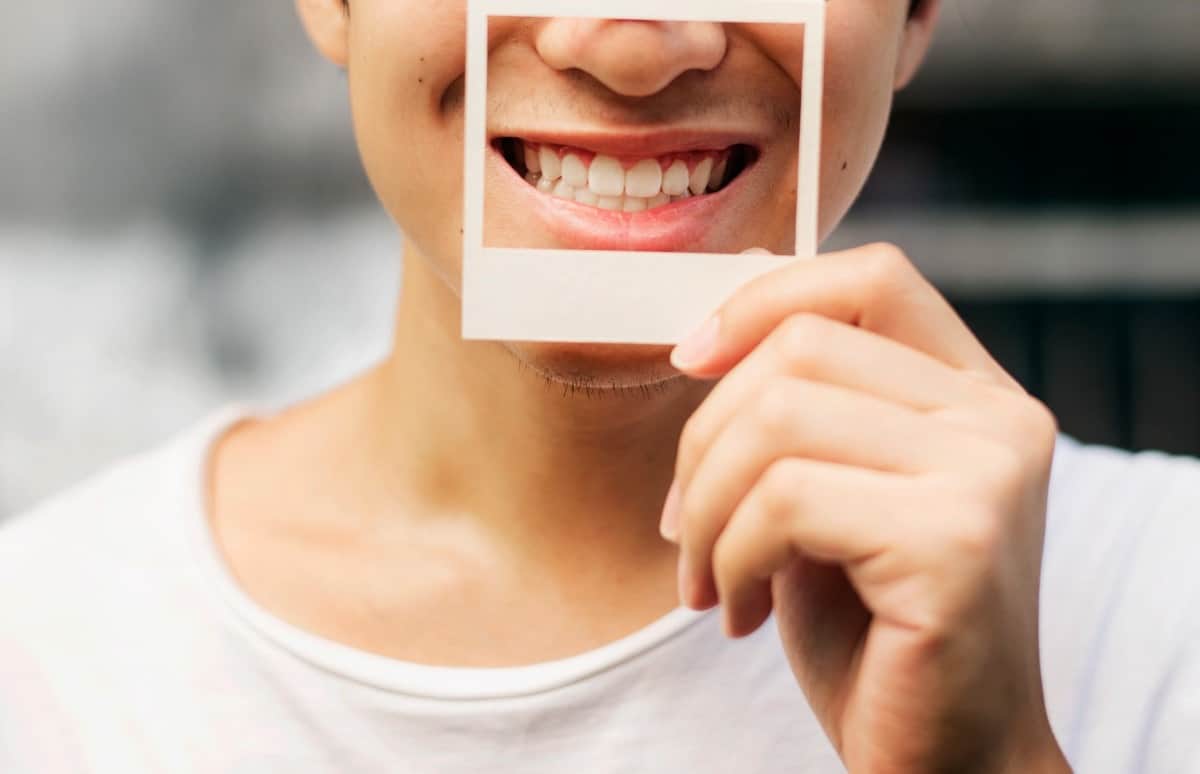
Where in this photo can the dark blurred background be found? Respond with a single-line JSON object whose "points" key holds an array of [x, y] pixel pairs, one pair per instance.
{"points": [[184, 222], [1045, 173]]}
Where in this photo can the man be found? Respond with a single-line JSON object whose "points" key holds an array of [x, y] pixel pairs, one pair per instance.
{"points": [[456, 562]]}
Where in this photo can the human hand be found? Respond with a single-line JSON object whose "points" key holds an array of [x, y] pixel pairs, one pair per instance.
{"points": [[866, 470]]}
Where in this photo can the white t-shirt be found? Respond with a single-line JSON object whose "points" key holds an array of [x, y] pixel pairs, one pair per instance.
{"points": [[127, 647]]}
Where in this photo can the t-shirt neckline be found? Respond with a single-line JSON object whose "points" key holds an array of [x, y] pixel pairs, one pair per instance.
{"points": [[374, 670]]}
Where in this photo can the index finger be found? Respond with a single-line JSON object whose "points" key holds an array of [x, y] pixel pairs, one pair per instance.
{"points": [[874, 287]]}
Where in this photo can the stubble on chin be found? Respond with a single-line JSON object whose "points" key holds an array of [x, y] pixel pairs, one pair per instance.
{"points": [[598, 371]]}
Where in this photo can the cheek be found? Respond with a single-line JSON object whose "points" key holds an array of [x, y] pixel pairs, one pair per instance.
{"points": [[859, 72], [405, 78], [860, 52]]}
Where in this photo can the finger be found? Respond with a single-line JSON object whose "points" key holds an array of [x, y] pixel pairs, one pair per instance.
{"points": [[873, 287], [797, 418], [828, 351], [803, 508]]}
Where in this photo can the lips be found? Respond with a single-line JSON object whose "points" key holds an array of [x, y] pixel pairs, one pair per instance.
{"points": [[624, 194]]}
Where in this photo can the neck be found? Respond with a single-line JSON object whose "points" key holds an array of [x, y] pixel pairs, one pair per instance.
{"points": [[549, 446]]}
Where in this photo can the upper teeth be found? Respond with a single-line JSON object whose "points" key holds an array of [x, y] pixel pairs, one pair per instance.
{"points": [[606, 182]]}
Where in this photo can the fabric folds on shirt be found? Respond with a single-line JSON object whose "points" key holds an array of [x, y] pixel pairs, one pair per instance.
{"points": [[126, 645]]}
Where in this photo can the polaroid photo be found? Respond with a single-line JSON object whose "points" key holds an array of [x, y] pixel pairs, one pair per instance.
{"points": [[619, 296]]}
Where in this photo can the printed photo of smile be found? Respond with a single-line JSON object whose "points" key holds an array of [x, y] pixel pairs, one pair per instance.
{"points": [[659, 468]]}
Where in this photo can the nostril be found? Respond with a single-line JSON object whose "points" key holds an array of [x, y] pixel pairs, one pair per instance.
{"points": [[632, 58]]}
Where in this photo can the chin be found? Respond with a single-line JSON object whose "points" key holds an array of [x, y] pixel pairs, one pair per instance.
{"points": [[597, 366]]}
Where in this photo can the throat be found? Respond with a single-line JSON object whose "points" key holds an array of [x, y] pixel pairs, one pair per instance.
{"points": [[547, 444]]}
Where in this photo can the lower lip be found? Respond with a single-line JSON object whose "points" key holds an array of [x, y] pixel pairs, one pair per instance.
{"points": [[682, 226]]}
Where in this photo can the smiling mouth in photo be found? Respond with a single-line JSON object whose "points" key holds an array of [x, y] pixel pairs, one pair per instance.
{"points": [[624, 184]]}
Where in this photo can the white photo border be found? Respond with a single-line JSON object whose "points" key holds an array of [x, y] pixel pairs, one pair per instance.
{"points": [[598, 296]]}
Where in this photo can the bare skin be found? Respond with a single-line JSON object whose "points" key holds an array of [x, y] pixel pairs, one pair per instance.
{"points": [[496, 504]]}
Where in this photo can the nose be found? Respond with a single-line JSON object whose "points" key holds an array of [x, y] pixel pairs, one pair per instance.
{"points": [[632, 58]]}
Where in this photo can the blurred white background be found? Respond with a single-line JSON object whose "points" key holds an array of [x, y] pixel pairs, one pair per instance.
{"points": [[183, 220]]}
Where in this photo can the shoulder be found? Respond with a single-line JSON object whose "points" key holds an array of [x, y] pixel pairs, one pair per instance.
{"points": [[85, 525], [98, 589], [1121, 530], [1120, 612], [1118, 517], [89, 553], [1088, 475], [1120, 503]]}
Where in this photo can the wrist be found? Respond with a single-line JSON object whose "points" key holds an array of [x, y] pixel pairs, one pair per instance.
{"points": [[1041, 756]]}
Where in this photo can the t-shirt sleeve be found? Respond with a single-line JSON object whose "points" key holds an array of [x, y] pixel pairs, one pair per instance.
{"points": [[1173, 740], [34, 732], [1120, 610]]}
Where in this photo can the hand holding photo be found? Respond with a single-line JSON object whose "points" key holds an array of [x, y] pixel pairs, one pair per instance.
{"points": [[634, 236]]}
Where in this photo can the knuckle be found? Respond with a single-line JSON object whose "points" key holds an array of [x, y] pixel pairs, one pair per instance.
{"points": [[977, 533], [1034, 429], [887, 271], [1027, 424], [799, 338], [1005, 468], [887, 261], [724, 563], [778, 489], [1042, 423], [775, 410]]}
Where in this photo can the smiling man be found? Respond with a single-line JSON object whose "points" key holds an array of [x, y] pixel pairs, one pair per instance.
{"points": [[827, 531]]}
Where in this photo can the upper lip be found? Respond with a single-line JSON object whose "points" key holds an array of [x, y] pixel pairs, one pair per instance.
{"points": [[637, 142]]}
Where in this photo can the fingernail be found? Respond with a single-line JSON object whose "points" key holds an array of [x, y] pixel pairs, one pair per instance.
{"points": [[756, 251], [685, 581], [669, 524], [698, 346]]}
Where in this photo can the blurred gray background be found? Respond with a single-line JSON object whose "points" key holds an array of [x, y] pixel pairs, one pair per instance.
{"points": [[184, 222]]}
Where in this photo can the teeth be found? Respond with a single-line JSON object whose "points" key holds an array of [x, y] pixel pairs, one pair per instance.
{"points": [[700, 176], [551, 165], [718, 175], [606, 184], [533, 163], [574, 171], [676, 179], [645, 179], [606, 177]]}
